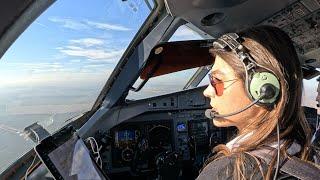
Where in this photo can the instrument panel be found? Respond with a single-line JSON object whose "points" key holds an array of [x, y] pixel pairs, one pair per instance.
{"points": [[186, 138], [139, 143]]}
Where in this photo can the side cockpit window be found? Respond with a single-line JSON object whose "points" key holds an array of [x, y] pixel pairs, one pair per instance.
{"points": [[167, 83], [309, 94], [184, 33]]}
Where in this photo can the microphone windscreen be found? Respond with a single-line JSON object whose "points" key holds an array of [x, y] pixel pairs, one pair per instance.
{"points": [[208, 114]]}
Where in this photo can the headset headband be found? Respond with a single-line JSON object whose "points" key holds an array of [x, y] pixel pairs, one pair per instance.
{"points": [[232, 42]]}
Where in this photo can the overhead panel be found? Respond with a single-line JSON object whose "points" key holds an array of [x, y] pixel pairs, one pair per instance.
{"points": [[225, 16]]}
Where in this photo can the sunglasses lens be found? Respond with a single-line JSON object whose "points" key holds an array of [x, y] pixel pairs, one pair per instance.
{"points": [[219, 88], [217, 85]]}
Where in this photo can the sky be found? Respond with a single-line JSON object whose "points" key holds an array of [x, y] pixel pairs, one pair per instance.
{"points": [[67, 54], [73, 38]]}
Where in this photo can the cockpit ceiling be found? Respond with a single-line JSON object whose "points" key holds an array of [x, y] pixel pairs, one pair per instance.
{"points": [[10, 10], [300, 19], [228, 15]]}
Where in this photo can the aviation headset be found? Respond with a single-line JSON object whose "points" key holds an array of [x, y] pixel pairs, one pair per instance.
{"points": [[262, 87]]}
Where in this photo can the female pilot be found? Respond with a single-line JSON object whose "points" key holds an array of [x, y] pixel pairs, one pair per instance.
{"points": [[256, 86]]}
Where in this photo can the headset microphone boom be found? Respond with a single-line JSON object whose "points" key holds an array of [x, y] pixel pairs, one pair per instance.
{"points": [[209, 113]]}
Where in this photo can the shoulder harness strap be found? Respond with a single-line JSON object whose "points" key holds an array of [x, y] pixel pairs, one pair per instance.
{"points": [[290, 165]]}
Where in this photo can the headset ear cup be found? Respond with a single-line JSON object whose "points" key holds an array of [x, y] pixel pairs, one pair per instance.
{"points": [[264, 83]]}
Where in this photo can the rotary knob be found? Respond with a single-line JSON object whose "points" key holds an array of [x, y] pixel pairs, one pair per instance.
{"points": [[127, 154]]}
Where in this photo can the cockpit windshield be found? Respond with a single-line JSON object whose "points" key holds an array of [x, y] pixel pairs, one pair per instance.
{"points": [[56, 69]]}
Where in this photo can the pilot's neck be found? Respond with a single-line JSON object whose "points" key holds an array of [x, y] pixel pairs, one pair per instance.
{"points": [[234, 143]]}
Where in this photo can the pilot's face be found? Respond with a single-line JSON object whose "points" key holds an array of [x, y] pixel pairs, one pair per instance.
{"points": [[232, 99]]}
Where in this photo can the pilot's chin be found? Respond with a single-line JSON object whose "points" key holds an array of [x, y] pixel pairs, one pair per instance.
{"points": [[221, 122]]}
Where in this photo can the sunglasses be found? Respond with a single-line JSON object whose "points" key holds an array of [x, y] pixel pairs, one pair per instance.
{"points": [[218, 84]]}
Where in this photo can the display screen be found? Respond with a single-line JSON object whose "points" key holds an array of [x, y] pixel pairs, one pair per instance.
{"points": [[181, 127], [126, 135], [72, 160]]}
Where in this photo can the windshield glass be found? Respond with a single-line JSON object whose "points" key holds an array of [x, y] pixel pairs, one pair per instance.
{"points": [[168, 83], [57, 67]]}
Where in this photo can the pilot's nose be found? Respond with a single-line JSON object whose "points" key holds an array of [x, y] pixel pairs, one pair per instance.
{"points": [[209, 92]]}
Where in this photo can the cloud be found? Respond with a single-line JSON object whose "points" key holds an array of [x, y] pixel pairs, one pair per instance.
{"points": [[106, 26], [45, 109], [34, 69], [95, 66], [37, 66], [41, 24], [69, 23], [71, 47], [75, 61], [78, 76], [21, 73], [92, 49], [85, 25], [93, 53], [87, 42]]}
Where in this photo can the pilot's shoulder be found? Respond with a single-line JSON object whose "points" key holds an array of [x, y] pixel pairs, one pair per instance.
{"points": [[223, 167]]}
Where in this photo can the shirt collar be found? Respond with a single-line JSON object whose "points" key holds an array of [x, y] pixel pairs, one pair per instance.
{"points": [[234, 143]]}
